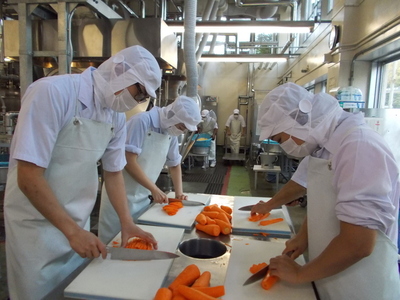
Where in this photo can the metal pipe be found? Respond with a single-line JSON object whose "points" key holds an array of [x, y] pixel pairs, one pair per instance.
{"points": [[189, 47], [203, 42]]}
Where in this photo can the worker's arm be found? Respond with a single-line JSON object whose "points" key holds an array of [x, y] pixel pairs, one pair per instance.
{"points": [[135, 170], [115, 187], [352, 244], [290, 191], [243, 131], [228, 130], [35, 187], [176, 176], [215, 131]]}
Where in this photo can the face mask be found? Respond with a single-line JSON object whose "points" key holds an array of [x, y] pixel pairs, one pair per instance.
{"points": [[174, 131], [236, 116], [299, 151], [123, 102]]}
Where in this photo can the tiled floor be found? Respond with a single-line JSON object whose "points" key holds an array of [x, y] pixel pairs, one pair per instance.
{"points": [[264, 189]]}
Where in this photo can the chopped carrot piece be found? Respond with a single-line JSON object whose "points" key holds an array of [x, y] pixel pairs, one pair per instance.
{"points": [[268, 281], [269, 222], [257, 267], [258, 217]]}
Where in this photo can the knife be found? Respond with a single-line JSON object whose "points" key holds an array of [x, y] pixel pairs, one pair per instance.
{"points": [[184, 202], [118, 253], [261, 273], [247, 207]]}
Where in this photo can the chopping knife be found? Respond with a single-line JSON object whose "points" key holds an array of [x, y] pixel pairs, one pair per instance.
{"points": [[261, 273], [184, 202], [118, 253], [249, 207]]}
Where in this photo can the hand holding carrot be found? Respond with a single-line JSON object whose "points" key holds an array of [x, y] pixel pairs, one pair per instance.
{"points": [[260, 208], [132, 230], [285, 268]]}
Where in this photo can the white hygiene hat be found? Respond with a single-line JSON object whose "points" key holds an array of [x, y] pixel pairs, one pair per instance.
{"points": [[205, 112], [183, 110], [235, 111]]}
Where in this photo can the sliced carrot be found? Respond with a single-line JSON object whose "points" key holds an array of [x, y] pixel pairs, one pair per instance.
{"points": [[258, 217], [264, 234], [213, 291], [139, 243], [268, 281], [257, 267], [271, 221], [194, 294], [203, 280], [211, 229], [202, 219], [227, 209], [187, 277], [177, 204], [163, 294], [226, 228]]}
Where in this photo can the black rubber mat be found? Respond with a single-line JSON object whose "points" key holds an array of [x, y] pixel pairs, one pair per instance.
{"points": [[214, 188], [207, 178]]}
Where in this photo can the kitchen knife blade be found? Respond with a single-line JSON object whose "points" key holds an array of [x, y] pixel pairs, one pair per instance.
{"points": [[118, 253], [246, 208], [186, 202], [261, 273]]}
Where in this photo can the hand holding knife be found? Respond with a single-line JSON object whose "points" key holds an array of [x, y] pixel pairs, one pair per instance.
{"points": [[184, 202]]}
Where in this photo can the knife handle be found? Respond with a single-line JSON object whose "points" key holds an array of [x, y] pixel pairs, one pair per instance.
{"points": [[151, 198]]}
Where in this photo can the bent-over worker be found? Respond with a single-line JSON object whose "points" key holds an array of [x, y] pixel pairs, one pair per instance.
{"points": [[68, 123], [209, 126], [235, 128], [352, 184], [151, 143]]}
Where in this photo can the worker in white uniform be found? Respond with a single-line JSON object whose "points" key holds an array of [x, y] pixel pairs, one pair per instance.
{"points": [[209, 125], [151, 143], [235, 128], [68, 123], [352, 184]]}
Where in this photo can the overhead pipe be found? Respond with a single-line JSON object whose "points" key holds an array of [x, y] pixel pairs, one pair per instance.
{"points": [[206, 17], [291, 3]]}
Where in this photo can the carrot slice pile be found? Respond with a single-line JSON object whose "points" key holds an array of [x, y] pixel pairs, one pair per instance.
{"points": [[139, 243], [257, 267], [258, 217]]}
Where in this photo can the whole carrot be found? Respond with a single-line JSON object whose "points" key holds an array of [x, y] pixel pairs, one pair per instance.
{"points": [[227, 209], [202, 219], [268, 281], [226, 228], [163, 294], [187, 277], [178, 297], [203, 280], [213, 291], [193, 294], [211, 229]]}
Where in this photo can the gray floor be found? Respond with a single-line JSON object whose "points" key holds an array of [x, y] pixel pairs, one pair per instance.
{"points": [[264, 189]]}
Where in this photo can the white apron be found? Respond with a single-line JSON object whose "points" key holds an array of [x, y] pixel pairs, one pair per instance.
{"points": [[208, 127], [360, 281], [236, 134], [39, 256], [151, 160]]}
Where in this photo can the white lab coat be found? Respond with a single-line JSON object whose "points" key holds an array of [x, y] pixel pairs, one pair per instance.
{"points": [[39, 256], [236, 126], [208, 126]]}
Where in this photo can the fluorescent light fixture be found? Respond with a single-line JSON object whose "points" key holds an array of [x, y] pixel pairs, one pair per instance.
{"points": [[255, 58], [246, 26]]}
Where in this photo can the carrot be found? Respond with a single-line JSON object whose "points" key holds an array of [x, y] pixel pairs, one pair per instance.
{"points": [[178, 297], [257, 267], [268, 281], [211, 214], [203, 280], [202, 219], [163, 294], [213, 291], [193, 294], [210, 221], [177, 204], [223, 217], [226, 228], [258, 217], [211, 229], [272, 221], [186, 277], [139, 243], [227, 209], [209, 207], [220, 210]]}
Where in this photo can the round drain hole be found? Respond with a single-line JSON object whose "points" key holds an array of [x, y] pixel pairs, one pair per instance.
{"points": [[202, 248]]}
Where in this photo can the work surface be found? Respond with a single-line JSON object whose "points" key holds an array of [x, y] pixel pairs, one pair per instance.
{"points": [[256, 246]]}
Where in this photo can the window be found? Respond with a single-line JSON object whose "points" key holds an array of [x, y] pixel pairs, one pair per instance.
{"points": [[390, 85]]}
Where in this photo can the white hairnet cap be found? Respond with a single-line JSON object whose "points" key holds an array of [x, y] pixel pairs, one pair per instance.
{"points": [[205, 112], [183, 110], [292, 109], [128, 66], [236, 111]]}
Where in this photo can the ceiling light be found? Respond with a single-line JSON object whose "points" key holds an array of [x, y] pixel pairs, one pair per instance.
{"points": [[256, 58], [247, 26]]}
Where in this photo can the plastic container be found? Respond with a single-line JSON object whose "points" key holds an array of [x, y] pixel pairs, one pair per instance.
{"points": [[205, 142]]}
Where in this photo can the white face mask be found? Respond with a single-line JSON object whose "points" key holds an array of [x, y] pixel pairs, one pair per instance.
{"points": [[299, 151], [123, 102], [174, 131], [236, 116]]}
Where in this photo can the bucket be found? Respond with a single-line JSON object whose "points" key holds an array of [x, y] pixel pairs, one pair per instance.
{"points": [[268, 159]]}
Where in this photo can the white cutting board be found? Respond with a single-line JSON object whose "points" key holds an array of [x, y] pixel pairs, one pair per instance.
{"points": [[241, 224], [244, 254], [116, 279], [184, 218]]}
